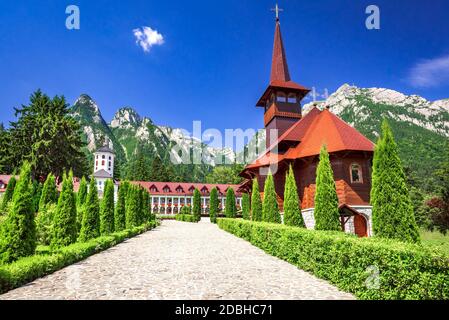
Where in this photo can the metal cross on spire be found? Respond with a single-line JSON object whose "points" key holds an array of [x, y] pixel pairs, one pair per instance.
{"points": [[277, 10]]}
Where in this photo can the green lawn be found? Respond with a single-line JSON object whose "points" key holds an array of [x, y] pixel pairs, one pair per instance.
{"points": [[435, 239]]}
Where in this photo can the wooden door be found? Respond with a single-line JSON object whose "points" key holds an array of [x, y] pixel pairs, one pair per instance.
{"points": [[360, 226]]}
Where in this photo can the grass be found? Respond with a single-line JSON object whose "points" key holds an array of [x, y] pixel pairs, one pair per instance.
{"points": [[435, 240]]}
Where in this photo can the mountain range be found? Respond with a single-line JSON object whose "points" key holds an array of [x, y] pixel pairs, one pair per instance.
{"points": [[421, 129]]}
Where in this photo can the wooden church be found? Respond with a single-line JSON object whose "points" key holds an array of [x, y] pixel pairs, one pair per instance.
{"points": [[296, 139]]}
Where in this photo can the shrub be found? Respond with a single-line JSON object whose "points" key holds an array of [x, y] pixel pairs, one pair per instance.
{"points": [[196, 210], [256, 202], [132, 207], [392, 206], [44, 224], [64, 229], [107, 209], [230, 208], [37, 192], [82, 193], [27, 269], [120, 209], [292, 211], [18, 237], [8, 194], [186, 217], [326, 212], [213, 205], [245, 206], [90, 226], [270, 211], [49, 193], [406, 271]]}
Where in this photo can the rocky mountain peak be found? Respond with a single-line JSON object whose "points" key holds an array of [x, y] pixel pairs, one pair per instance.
{"points": [[126, 118]]}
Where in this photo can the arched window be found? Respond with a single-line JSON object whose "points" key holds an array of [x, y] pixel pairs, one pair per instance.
{"points": [[280, 97], [356, 173], [291, 98]]}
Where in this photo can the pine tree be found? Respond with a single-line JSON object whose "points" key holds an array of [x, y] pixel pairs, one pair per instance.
{"points": [[90, 226], [326, 212], [197, 204], [270, 211], [245, 206], [392, 207], [256, 202], [49, 193], [64, 222], [213, 205], [18, 237], [120, 210], [132, 207], [107, 209], [292, 211], [7, 197], [230, 209]]}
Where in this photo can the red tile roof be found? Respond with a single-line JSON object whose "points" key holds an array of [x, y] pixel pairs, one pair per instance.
{"points": [[185, 189]]}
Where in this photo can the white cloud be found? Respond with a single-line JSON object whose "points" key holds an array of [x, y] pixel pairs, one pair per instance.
{"points": [[147, 38], [430, 73]]}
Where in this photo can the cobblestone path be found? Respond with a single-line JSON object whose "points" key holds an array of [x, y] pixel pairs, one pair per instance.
{"points": [[180, 260]]}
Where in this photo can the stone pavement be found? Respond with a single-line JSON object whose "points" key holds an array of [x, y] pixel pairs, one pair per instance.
{"points": [[180, 260]]}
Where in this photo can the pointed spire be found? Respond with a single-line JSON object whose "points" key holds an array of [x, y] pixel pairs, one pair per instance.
{"points": [[279, 67]]}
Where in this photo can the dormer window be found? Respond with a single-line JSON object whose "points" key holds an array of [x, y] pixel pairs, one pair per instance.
{"points": [[356, 173], [204, 190], [153, 189], [166, 189], [179, 189]]}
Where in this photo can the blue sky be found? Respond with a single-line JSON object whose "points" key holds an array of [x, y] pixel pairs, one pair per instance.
{"points": [[215, 57]]}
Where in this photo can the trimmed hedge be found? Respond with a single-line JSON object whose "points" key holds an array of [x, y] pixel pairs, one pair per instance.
{"points": [[186, 217], [28, 269], [405, 271]]}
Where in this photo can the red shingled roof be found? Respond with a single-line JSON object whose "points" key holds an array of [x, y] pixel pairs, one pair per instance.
{"points": [[183, 188]]}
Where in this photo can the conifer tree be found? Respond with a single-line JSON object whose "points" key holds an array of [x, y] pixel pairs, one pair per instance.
{"points": [[90, 226], [49, 193], [326, 212], [270, 211], [37, 191], [256, 202], [107, 209], [18, 238], [292, 211], [197, 204], [213, 205], [64, 230], [132, 207], [245, 206], [392, 207], [146, 206], [82, 193], [8, 194], [230, 209], [120, 210]]}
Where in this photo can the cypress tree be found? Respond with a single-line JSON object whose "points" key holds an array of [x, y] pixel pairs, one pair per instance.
{"points": [[132, 207], [213, 205], [270, 211], [49, 193], [326, 212], [146, 206], [7, 197], [107, 209], [245, 206], [292, 212], [256, 202], [37, 192], [82, 193], [90, 226], [392, 207], [230, 209], [18, 237], [197, 204], [64, 221], [120, 210]]}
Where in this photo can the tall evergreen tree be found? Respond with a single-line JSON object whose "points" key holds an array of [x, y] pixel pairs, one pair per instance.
{"points": [[392, 207], [90, 225], [256, 202], [245, 206], [270, 211], [120, 210], [197, 204], [230, 209], [65, 230], [47, 136], [49, 193], [326, 212], [5, 151], [132, 207], [7, 197], [292, 211], [107, 209], [37, 192], [82, 193], [18, 237], [213, 205]]}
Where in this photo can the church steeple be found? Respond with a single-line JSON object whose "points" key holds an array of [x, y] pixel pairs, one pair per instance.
{"points": [[279, 66]]}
